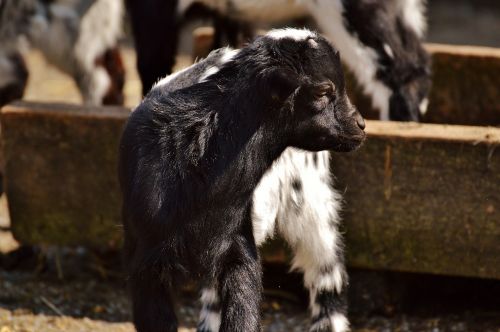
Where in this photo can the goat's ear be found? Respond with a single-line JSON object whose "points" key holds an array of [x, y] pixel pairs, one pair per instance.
{"points": [[280, 83]]}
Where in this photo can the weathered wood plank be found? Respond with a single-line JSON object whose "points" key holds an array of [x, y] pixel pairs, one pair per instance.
{"points": [[60, 173], [423, 198]]}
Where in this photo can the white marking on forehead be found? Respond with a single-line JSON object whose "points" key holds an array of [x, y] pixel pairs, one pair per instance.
{"points": [[423, 106], [388, 50], [291, 33], [209, 72]]}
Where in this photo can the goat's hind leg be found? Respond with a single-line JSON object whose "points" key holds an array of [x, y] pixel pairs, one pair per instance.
{"points": [[321, 260], [309, 222], [210, 312]]}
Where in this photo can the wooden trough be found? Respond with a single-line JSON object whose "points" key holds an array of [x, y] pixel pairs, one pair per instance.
{"points": [[419, 197]]}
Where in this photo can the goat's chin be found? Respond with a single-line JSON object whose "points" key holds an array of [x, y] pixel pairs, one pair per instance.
{"points": [[336, 144], [348, 145]]}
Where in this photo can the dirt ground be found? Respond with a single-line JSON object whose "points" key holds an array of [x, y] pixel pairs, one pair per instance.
{"points": [[60, 289], [50, 289]]}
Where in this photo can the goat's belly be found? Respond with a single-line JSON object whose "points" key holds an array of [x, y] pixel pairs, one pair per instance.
{"points": [[263, 11], [267, 11]]}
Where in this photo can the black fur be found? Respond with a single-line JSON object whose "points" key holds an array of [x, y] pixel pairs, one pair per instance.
{"points": [[155, 28], [190, 160], [407, 71], [15, 89]]}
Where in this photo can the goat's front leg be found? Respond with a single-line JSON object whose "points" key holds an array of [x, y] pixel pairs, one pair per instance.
{"points": [[152, 306], [240, 287]]}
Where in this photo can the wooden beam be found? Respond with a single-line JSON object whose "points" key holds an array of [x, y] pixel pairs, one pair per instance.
{"points": [[60, 173], [418, 197], [423, 198]]}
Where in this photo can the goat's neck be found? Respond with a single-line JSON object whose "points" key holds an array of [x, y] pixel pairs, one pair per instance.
{"points": [[247, 151]]}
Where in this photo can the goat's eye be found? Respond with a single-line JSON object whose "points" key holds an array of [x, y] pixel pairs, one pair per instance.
{"points": [[324, 89]]}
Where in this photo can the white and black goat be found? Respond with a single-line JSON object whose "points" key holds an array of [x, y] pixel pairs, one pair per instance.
{"points": [[191, 158], [79, 37], [380, 41]]}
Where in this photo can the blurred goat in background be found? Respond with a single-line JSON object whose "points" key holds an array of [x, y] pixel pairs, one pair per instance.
{"points": [[78, 36], [380, 40]]}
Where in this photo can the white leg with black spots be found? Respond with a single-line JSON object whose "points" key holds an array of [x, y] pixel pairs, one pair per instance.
{"points": [[210, 316]]}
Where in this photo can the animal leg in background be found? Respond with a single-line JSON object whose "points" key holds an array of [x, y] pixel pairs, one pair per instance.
{"points": [[155, 29], [13, 76]]}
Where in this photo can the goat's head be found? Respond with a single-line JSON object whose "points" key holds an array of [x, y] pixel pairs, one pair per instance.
{"points": [[393, 30], [307, 79]]}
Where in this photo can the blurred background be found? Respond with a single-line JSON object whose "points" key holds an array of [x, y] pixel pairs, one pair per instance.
{"points": [[458, 22], [446, 279]]}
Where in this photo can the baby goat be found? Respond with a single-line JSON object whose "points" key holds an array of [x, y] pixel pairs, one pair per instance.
{"points": [[190, 160], [296, 198]]}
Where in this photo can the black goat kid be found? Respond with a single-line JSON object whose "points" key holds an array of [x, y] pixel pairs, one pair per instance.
{"points": [[191, 158]]}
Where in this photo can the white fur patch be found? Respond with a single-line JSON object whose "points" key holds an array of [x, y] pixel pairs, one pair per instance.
{"points": [[313, 43], [209, 296], [229, 54], [170, 77], [315, 308], [306, 218], [210, 320], [329, 281], [266, 202], [339, 322], [388, 50], [96, 88], [209, 72], [424, 104], [290, 33], [413, 14]]}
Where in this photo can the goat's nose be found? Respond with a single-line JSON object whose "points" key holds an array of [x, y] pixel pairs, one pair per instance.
{"points": [[360, 121]]}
